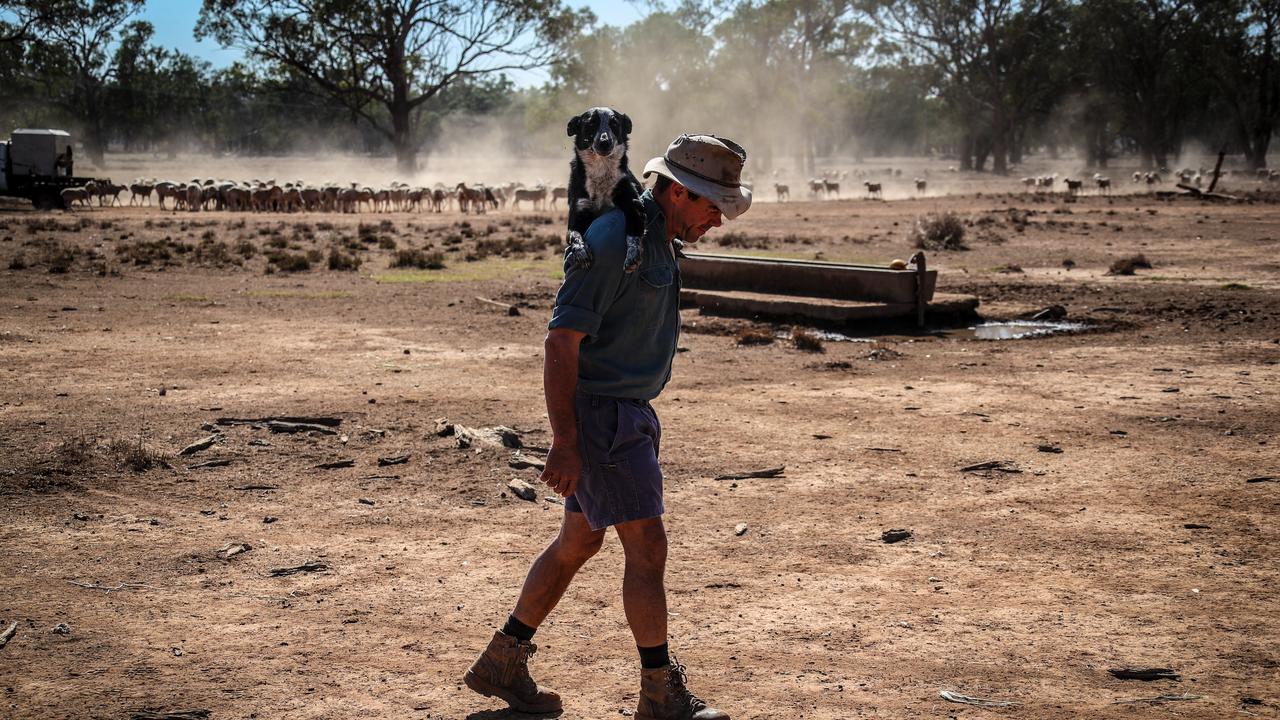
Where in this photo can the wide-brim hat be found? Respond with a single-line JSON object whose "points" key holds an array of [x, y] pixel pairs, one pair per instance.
{"points": [[709, 166]]}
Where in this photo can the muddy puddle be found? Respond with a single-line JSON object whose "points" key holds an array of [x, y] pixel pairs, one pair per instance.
{"points": [[993, 330]]}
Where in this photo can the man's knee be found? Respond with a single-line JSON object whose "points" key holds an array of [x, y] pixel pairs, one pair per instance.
{"points": [[645, 543], [579, 544]]}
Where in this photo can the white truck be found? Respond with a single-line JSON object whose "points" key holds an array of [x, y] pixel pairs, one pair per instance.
{"points": [[37, 165]]}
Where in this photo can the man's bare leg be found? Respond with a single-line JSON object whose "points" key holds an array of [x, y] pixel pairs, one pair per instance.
{"points": [[663, 694], [644, 595], [554, 568], [502, 670]]}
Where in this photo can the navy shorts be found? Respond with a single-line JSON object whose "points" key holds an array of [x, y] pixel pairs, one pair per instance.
{"points": [[621, 480]]}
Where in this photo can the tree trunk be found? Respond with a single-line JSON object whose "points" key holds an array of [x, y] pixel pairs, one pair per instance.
{"points": [[981, 150], [402, 137], [94, 145], [999, 152], [1256, 151], [966, 152]]}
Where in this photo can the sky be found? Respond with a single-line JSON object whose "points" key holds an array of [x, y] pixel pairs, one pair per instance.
{"points": [[174, 21]]}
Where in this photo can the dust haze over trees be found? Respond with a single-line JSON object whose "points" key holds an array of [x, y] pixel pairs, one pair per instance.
{"points": [[984, 82]]}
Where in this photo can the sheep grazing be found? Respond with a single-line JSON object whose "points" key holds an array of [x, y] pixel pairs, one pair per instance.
{"points": [[1153, 179], [194, 197], [559, 192], [70, 196], [537, 196], [1103, 183], [874, 190], [921, 185], [471, 199], [783, 192], [1073, 186], [831, 187], [1137, 177], [817, 186]]}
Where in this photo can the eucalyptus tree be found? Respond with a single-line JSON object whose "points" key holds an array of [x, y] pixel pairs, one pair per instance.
{"points": [[384, 60], [801, 55], [1243, 58], [992, 61], [69, 59], [1146, 55]]}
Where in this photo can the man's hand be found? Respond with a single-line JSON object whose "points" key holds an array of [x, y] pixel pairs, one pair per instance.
{"points": [[563, 468], [560, 379]]}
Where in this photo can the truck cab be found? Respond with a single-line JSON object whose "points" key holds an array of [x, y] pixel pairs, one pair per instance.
{"points": [[37, 164]]}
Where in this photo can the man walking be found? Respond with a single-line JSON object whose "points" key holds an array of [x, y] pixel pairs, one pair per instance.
{"points": [[611, 340]]}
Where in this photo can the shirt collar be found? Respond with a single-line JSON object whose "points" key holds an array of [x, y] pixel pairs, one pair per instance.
{"points": [[656, 227]]}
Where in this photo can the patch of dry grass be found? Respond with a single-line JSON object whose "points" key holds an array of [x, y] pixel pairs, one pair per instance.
{"points": [[1127, 265], [938, 231]]}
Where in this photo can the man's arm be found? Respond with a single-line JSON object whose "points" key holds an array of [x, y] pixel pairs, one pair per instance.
{"points": [[560, 383]]}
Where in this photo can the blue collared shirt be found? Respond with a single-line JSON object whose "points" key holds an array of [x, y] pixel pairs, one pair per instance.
{"points": [[632, 320]]}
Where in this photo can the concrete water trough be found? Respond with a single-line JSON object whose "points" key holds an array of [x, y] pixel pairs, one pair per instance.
{"points": [[822, 293]]}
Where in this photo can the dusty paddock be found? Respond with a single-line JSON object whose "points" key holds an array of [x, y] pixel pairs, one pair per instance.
{"points": [[1016, 586]]}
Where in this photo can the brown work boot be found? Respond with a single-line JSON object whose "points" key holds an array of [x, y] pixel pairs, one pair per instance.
{"points": [[663, 696], [503, 671]]}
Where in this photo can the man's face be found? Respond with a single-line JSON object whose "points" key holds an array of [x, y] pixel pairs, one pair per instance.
{"points": [[692, 218]]}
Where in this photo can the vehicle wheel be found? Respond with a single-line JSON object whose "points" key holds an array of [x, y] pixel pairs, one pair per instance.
{"points": [[45, 200]]}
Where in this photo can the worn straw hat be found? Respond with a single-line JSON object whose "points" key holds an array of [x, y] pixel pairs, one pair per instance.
{"points": [[709, 166]]}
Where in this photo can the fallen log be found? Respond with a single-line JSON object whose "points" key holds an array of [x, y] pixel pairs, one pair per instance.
{"points": [[1143, 673], [8, 634], [336, 464], [512, 310], [1005, 466], [308, 566], [199, 445], [765, 473], [1196, 192], [304, 419], [211, 464], [285, 426]]}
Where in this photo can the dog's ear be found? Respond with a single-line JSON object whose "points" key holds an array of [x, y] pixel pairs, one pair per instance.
{"points": [[626, 123], [575, 124]]}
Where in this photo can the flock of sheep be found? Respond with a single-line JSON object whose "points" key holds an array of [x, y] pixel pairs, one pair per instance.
{"points": [[269, 196], [1185, 176], [828, 185]]}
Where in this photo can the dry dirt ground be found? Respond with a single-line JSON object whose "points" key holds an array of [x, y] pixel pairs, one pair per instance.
{"points": [[1130, 534]]}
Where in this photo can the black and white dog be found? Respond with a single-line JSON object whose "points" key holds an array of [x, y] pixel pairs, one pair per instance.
{"points": [[599, 179]]}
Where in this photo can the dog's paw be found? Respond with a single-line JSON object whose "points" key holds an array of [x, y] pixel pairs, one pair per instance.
{"points": [[634, 250], [576, 252]]}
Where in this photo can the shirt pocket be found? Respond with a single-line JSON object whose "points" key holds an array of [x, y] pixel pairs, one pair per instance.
{"points": [[657, 278], [652, 293]]}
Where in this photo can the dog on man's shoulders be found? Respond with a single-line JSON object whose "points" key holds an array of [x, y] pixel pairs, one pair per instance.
{"points": [[599, 179]]}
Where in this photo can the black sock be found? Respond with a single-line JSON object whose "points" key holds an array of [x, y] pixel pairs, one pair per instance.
{"points": [[518, 630], [654, 657]]}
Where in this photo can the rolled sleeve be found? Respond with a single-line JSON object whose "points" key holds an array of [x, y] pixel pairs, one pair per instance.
{"points": [[587, 293], [575, 318]]}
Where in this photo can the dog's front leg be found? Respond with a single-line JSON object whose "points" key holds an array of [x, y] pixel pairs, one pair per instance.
{"points": [[626, 198]]}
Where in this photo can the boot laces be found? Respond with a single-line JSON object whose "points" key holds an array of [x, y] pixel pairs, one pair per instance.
{"points": [[522, 677], [526, 650], [676, 679]]}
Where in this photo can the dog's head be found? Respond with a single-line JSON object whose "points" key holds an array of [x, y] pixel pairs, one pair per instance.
{"points": [[599, 130]]}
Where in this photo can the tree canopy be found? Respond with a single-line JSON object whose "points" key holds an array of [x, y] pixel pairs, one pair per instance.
{"points": [[981, 81]]}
